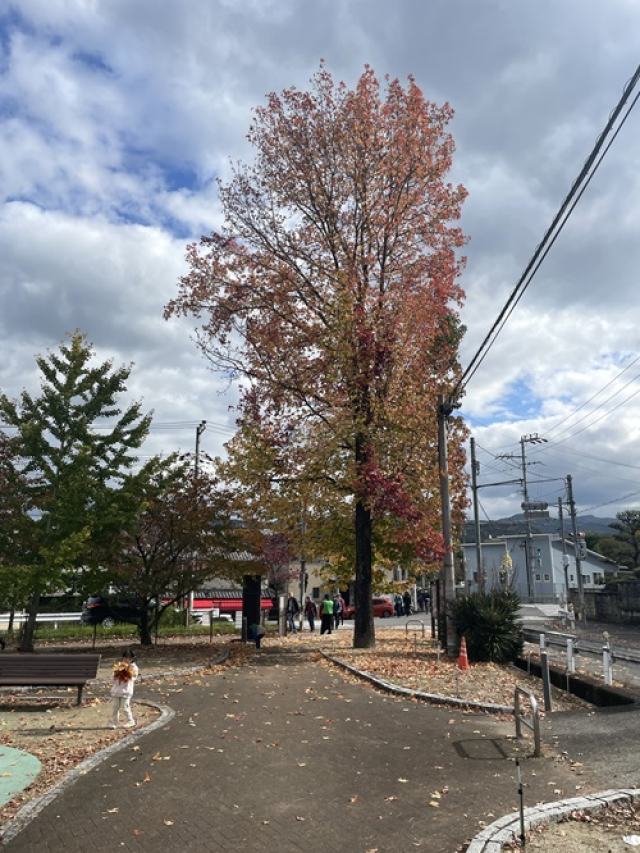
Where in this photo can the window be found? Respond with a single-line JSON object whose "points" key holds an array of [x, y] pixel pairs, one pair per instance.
{"points": [[586, 578], [547, 577], [475, 577], [571, 578], [538, 578], [598, 577], [315, 592]]}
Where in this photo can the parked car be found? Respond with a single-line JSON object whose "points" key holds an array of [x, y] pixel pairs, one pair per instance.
{"points": [[97, 610], [382, 607]]}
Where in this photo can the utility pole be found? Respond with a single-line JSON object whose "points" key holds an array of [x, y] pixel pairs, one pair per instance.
{"points": [[199, 430], [445, 408], [565, 556], [576, 551], [527, 522], [475, 468], [303, 566], [528, 556]]}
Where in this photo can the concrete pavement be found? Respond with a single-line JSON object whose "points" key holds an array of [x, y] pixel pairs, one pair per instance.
{"points": [[287, 754]]}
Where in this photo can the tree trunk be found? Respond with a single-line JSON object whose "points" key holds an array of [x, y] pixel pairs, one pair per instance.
{"points": [[363, 633], [29, 629], [145, 628]]}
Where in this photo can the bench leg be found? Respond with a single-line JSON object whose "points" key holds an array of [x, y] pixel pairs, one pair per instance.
{"points": [[80, 694]]}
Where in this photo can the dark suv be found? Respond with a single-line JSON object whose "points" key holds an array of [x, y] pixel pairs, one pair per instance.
{"points": [[97, 610]]}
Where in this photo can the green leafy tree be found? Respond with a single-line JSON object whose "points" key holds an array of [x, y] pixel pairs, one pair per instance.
{"points": [[332, 291], [627, 538], [180, 534], [16, 529], [76, 446]]}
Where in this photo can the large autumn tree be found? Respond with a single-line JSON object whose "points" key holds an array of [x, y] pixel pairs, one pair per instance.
{"points": [[331, 293]]}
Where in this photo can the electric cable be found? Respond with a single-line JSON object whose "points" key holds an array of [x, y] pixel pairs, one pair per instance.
{"points": [[593, 397], [558, 222]]}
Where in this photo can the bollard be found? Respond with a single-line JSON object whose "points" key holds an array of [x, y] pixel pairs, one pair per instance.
{"points": [[546, 681], [543, 642], [571, 661], [520, 803], [606, 665]]}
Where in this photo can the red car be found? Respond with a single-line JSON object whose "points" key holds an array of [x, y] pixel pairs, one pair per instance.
{"points": [[382, 607]]}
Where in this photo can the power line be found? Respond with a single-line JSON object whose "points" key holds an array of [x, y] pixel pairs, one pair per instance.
{"points": [[597, 408], [567, 207], [593, 397]]}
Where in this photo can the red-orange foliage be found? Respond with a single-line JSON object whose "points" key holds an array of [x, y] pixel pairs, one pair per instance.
{"points": [[332, 291]]}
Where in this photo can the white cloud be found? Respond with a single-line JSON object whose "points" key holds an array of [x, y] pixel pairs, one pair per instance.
{"points": [[117, 118]]}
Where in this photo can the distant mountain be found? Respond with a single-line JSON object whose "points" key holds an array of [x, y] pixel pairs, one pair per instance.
{"points": [[514, 526]]}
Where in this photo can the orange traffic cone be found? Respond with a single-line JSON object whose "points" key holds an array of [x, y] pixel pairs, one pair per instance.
{"points": [[463, 660]]}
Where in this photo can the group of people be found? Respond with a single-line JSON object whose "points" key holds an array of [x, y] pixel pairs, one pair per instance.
{"points": [[402, 604], [330, 610]]}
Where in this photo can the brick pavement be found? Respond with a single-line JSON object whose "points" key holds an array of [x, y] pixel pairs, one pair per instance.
{"points": [[285, 754]]}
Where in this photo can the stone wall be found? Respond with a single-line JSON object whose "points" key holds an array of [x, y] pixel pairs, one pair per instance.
{"points": [[620, 604]]}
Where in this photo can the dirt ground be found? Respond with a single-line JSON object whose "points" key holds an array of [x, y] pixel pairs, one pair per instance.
{"points": [[611, 830], [61, 735]]}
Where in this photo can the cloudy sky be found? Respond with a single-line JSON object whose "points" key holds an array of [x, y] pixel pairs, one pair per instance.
{"points": [[117, 117]]}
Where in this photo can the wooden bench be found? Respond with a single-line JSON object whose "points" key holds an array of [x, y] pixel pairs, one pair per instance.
{"points": [[45, 670]]}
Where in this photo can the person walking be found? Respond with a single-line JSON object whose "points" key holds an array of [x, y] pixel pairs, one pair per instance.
{"points": [[311, 613], [293, 608], [406, 601], [337, 610], [124, 676], [397, 604], [326, 618]]}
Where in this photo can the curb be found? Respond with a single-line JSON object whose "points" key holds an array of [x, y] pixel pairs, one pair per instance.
{"points": [[505, 829], [418, 694]]}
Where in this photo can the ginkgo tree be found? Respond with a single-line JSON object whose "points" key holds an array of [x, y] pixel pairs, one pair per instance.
{"points": [[331, 294]]}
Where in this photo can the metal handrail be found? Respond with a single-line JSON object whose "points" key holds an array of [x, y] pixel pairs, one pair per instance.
{"points": [[534, 726]]}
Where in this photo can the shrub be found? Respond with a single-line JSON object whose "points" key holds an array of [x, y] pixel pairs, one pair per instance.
{"points": [[489, 623]]}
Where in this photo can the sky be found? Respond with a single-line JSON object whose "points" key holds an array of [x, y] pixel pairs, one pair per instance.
{"points": [[117, 117]]}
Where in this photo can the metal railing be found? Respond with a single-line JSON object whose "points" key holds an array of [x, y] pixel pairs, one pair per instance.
{"points": [[415, 624], [534, 725], [19, 618]]}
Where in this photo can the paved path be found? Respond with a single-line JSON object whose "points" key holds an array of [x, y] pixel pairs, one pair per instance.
{"points": [[287, 755]]}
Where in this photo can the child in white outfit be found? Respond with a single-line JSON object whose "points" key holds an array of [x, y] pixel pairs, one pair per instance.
{"points": [[124, 675]]}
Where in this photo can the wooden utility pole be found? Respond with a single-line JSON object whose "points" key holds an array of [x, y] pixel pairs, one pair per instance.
{"points": [[445, 407], [576, 550], [475, 467], [565, 556]]}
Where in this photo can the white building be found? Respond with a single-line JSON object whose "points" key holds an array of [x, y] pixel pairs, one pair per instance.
{"points": [[504, 563]]}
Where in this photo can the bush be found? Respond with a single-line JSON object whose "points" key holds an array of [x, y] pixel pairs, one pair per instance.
{"points": [[489, 623]]}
